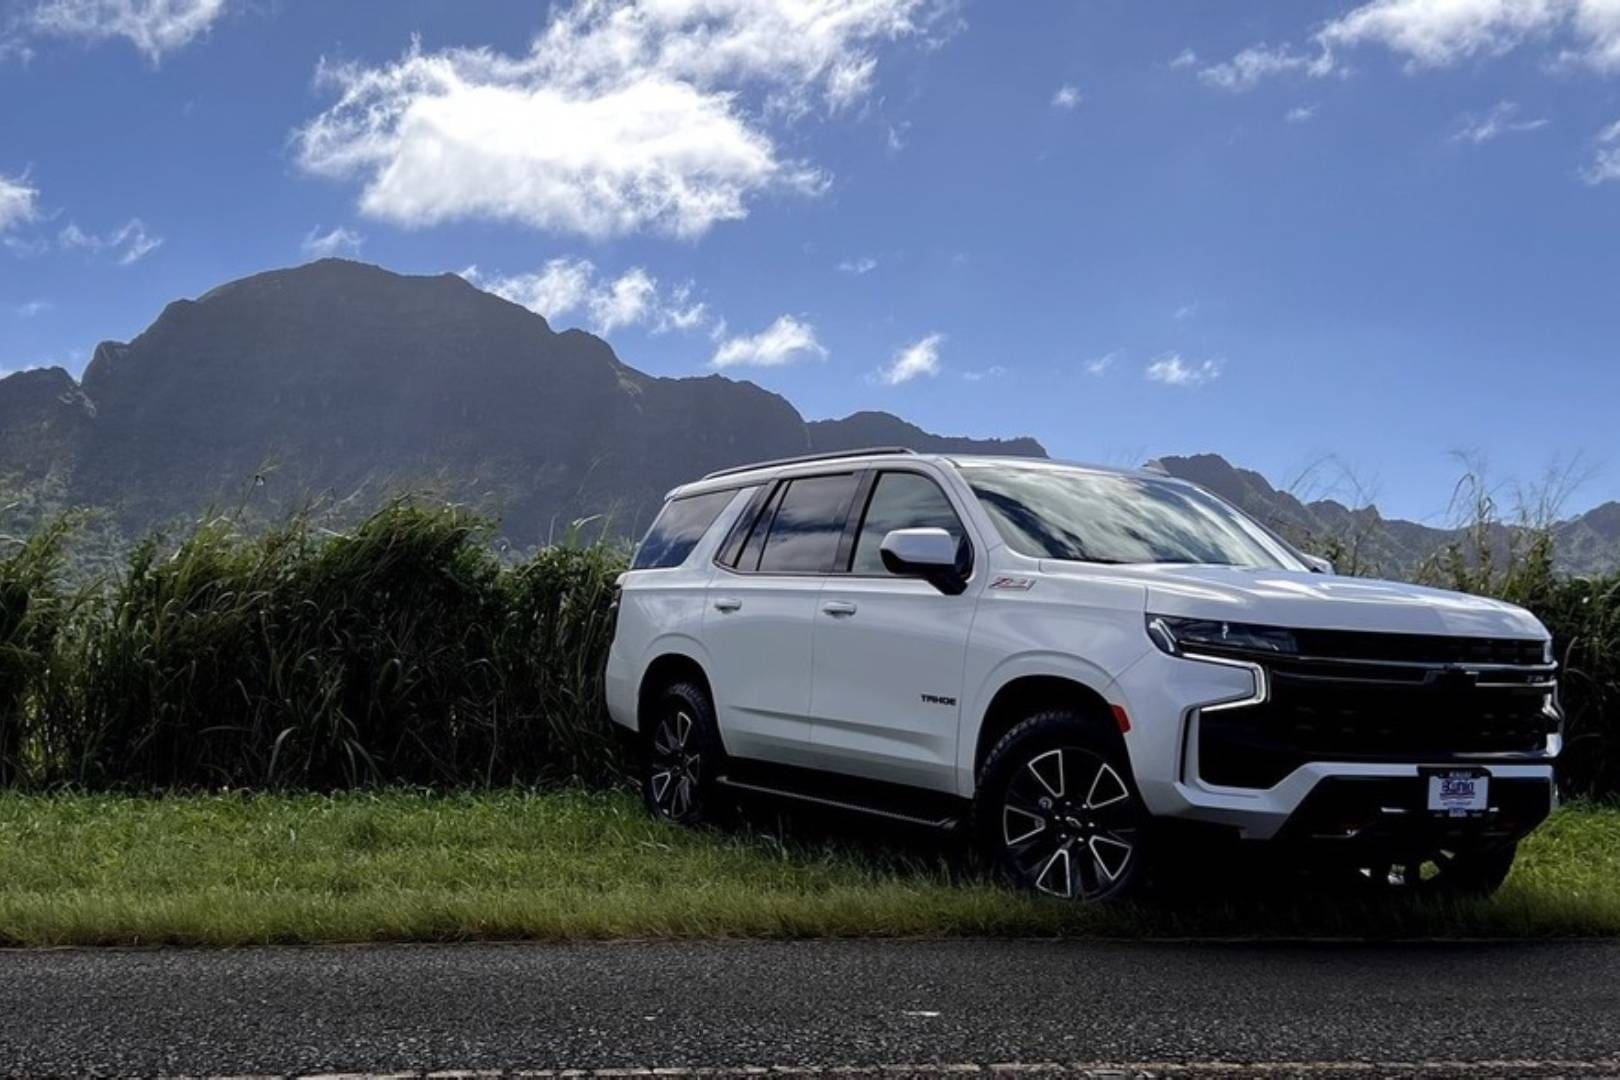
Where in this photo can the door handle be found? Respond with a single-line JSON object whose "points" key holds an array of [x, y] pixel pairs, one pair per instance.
{"points": [[838, 607], [727, 603]]}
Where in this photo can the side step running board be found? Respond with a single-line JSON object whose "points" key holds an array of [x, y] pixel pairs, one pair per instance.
{"points": [[944, 823]]}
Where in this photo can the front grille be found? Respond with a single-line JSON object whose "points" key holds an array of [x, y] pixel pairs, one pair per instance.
{"points": [[1362, 703], [1418, 648]]}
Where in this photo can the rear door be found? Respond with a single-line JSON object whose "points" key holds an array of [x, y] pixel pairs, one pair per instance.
{"points": [[889, 651], [759, 622]]}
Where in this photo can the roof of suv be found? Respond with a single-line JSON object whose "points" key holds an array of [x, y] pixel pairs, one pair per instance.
{"points": [[745, 475]]}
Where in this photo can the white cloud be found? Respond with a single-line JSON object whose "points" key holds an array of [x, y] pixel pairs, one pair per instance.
{"points": [[340, 241], [566, 285], [626, 300], [1245, 70], [155, 27], [647, 115], [1172, 370], [859, 267], [32, 308], [1439, 33], [129, 245], [681, 312], [1301, 114], [785, 341], [1502, 119], [1185, 58], [1067, 97], [19, 202], [915, 360], [561, 286], [1101, 364], [994, 371], [1605, 165], [1597, 25], [1185, 311]]}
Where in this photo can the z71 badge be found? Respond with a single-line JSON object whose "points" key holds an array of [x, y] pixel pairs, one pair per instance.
{"points": [[1016, 584]]}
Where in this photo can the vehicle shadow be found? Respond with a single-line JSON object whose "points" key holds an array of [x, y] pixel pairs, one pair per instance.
{"points": [[1228, 885]]}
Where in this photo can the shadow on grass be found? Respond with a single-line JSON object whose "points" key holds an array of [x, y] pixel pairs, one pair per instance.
{"points": [[1209, 888]]}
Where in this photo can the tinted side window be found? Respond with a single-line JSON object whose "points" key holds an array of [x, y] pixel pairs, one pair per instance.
{"points": [[679, 527], [808, 523], [749, 560], [902, 500], [731, 550]]}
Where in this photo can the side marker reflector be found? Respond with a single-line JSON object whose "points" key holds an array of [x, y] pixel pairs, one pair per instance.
{"points": [[1121, 718]]}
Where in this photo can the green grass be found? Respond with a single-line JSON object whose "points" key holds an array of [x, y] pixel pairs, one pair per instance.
{"points": [[226, 870]]}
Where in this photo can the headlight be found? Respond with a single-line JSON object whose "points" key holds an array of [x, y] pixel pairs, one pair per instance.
{"points": [[1177, 635]]}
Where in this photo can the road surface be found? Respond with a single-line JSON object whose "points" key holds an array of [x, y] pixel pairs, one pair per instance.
{"points": [[928, 1007]]}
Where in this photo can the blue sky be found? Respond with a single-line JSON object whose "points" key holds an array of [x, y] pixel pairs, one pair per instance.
{"points": [[1377, 233]]}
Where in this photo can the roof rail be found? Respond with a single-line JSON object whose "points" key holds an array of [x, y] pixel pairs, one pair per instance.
{"points": [[870, 451]]}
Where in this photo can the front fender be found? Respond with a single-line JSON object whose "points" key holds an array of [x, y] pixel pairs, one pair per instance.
{"points": [[1037, 663]]}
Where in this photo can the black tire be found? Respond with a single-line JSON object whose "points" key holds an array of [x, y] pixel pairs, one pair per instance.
{"points": [[1057, 810], [681, 756]]}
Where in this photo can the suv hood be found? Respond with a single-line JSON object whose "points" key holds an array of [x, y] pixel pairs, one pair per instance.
{"points": [[1325, 602]]}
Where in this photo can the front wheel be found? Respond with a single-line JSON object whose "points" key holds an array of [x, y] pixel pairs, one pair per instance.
{"points": [[1056, 811]]}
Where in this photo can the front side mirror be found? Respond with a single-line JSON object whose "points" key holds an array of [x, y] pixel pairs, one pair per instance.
{"points": [[931, 554], [1317, 564]]}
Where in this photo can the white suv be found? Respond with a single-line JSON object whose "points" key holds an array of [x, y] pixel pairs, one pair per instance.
{"points": [[1075, 660]]}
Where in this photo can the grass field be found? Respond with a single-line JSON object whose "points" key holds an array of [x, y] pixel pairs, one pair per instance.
{"points": [[225, 870]]}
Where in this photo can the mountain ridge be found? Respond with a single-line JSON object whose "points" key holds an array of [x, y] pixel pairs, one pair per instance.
{"points": [[348, 380], [337, 376]]}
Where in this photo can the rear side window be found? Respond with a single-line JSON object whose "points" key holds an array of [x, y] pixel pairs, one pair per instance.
{"points": [[679, 527], [902, 500], [749, 560], [807, 525]]}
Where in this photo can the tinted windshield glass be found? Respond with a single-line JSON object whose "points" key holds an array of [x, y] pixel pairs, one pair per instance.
{"points": [[1056, 513]]}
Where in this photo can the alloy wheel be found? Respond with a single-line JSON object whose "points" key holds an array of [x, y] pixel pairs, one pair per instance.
{"points": [[1069, 825], [676, 768]]}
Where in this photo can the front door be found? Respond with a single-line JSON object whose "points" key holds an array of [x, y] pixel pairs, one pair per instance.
{"points": [[889, 651]]}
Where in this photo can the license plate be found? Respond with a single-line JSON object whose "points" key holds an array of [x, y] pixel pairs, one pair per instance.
{"points": [[1459, 794]]}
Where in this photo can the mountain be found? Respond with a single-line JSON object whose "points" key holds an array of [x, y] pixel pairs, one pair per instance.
{"points": [[346, 380], [865, 429], [1589, 543]]}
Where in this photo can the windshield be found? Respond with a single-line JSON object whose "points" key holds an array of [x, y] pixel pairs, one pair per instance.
{"points": [[1057, 513]]}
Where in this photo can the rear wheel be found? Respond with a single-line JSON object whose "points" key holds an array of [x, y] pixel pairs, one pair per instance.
{"points": [[1057, 813], [682, 756]]}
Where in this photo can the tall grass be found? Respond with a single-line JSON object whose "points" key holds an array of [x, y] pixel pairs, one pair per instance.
{"points": [[34, 606], [1581, 612], [404, 651]]}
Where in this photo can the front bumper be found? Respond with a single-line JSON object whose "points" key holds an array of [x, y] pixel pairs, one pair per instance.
{"points": [[1169, 699], [1390, 816]]}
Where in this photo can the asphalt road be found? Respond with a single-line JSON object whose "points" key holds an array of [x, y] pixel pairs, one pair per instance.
{"points": [[934, 1007]]}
